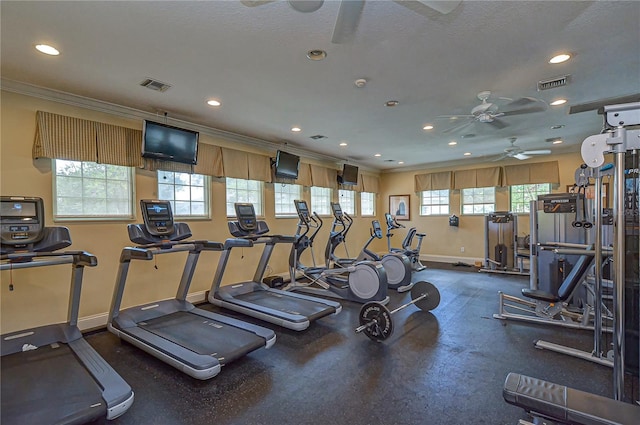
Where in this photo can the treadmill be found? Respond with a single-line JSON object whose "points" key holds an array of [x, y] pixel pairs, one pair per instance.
{"points": [[194, 341], [50, 374], [253, 298]]}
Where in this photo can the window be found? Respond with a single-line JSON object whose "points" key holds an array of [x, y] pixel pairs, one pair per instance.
{"points": [[367, 204], [347, 201], [433, 202], [522, 194], [188, 193], [478, 200], [285, 194], [240, 190], [321, 200], [87, 190]]}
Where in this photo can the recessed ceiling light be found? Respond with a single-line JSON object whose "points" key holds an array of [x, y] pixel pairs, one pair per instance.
{"points": [[467, 154], [428, 127], [453, 143], [557, 142], [560, 58], [343, 144], [378, 155], [47, 50], [557, 127], [316, 54], [558, 102], [400, 162], [296, 129], [391, 103], [213, 102]]}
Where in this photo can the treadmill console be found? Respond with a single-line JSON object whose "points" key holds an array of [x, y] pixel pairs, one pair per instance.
{"points": [[22, 220], [158, 217], [302, 209], [246, 214]]}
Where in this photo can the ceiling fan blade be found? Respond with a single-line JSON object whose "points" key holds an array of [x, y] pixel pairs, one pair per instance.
{"points": [[499, 124], [455, 117], [540, 107], [305, 6], [347, 21], [597, 104], [444, 7], [521, 156], [501, 157], [457, 127], [523, 101], [538, 152]]}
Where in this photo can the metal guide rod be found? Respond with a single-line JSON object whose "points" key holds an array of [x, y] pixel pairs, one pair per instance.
{"points": [[597, 326], [395, 310]]}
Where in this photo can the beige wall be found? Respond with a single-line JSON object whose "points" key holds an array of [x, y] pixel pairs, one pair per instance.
{"points": [[45, 290]]}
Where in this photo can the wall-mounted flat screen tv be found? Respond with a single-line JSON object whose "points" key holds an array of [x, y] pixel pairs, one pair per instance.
{"points": [[169, 143], [287, 165], [349, 174]]}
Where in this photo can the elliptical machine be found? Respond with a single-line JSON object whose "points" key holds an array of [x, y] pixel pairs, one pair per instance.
{"points": [[361, 282], [397, 265], [407, 248]]}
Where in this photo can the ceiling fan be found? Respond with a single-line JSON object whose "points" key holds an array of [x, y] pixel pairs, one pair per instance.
{"points": [[514, 151], [489, 112], [350, 11]]}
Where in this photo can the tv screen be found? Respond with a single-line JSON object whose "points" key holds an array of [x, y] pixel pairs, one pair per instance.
{"points": [[162, 141], [349, 174], [287, 165]]}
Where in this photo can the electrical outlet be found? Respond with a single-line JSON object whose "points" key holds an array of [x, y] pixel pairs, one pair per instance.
{"points": [[461, 249]]}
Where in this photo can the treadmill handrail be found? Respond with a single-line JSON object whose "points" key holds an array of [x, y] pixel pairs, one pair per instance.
{"points": [[24, 259]]}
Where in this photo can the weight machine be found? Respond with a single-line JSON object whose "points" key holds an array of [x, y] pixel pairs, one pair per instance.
{"points": [[501, 244], [544, 400]]}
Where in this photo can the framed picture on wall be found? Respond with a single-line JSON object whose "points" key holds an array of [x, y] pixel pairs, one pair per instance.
{"points": [[399, 207], [591, 192]]}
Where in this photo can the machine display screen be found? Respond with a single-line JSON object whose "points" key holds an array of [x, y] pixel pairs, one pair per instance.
{"points": [[18, 209], [158, 211], [245, 211], [301, 206], [336, 209]]}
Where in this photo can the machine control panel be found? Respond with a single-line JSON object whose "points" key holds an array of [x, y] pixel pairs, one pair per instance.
{"points": [[22, 220], [337, 210], [559, 202], [302, 209], [158, 217], [246, 214]]}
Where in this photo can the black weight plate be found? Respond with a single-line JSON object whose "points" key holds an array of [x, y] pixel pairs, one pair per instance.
{"points": [[383, 326], [431, 301]]}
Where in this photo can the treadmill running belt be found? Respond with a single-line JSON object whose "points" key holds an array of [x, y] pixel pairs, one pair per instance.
{"points": [[204, 336], [49, 386], [310, 309]]}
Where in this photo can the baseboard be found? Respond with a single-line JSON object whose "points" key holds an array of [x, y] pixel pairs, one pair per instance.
{"points": [[450, 259], [98, 321]]}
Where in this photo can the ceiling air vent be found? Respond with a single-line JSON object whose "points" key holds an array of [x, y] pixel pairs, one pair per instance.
{"points": [[318, 137], [553, 83], [155, 85]]}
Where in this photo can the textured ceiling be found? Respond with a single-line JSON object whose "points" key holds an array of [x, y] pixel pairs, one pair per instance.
{"points": [[253, 59]]}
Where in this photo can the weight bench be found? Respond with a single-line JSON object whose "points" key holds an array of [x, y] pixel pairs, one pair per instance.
{"points": [[548, 308], [546, 400]]}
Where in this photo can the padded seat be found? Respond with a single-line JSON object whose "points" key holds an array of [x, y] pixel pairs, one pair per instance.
{"points": [[569, 284], [566, 405]]}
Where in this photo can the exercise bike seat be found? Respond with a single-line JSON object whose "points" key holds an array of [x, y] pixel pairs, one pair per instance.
{"points": [[566, 405], [568, 285]]}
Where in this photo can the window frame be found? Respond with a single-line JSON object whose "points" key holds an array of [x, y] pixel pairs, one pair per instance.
{"points": [[352, 202], [423, 204], [130, 171], [363, 203], [206, 189], [259, 208], [473, 204], [528, 203], [292, 213], [328, 198]]}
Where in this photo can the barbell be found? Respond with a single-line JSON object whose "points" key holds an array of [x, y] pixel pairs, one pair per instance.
{"points": [[375, 318]]}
